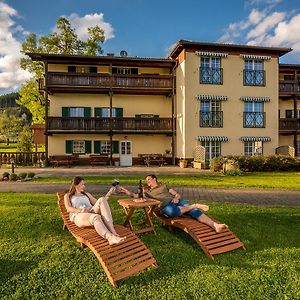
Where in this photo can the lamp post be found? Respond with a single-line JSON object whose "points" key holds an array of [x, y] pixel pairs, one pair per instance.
{"points": [[12, 161]]}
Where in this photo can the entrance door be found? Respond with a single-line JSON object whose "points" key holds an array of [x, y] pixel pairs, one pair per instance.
{"points": [[125, 153]]}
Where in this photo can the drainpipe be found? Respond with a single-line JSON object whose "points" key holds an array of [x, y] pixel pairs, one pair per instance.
{"points": [[173, 115], [46, 114]]}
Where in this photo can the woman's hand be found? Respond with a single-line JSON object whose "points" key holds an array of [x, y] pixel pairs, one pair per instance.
{"points": [[123, 190]]}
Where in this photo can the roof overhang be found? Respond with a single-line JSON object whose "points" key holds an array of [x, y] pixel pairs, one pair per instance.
{"points": [[230, 48], [102, 60]]}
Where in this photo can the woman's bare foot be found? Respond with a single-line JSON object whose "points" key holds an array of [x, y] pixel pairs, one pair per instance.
{"points": [[219, 227], [201, 206], [115, 239]]}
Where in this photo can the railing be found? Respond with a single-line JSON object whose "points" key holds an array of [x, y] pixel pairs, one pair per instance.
{"points": [[254, 119], [289, 124], [289, 86], [103, 124], [211, 119], [107, 80], [211, 75], [254, 77], [22, 158]]}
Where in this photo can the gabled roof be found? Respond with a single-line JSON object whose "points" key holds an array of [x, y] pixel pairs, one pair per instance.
{"points": [[231, 48]]}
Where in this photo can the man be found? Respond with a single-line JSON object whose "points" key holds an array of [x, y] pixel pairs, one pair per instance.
{"points": [[172, 205]]}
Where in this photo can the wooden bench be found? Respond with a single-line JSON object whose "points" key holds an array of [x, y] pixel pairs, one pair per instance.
{"points": [[211, 242], [152, 159], [62, 160], [99, 159], [119, 261]]}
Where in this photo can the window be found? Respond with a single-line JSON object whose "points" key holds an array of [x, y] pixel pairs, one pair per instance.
{"points": [[298, 149], [288, 77], [147, 116], [254, 73], [253, 148], [210, 70], [253, 115], [125, 71], [76, 112], [78, 147], [103, 147], [104, 112], [82, 69], [289, 113], [212, 149], [211, 114]]}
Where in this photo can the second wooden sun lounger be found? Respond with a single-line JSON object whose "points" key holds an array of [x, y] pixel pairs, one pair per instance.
{"points": [[211, 242], [118, 261]]}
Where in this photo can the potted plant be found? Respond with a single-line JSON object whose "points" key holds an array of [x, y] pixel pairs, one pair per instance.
{"points": [[182, 163]]}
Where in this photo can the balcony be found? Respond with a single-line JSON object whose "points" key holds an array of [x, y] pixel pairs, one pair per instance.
{"points": [[103, 125], [254, 78], [254, 119], [143, 84], [211, 119], [289, 87], [211, 75], [288, 125]]}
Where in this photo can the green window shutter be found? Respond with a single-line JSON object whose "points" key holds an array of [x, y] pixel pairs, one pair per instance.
{"points": [[87, 112], [138, 116], [98, 112], [119, 112], [156, 116], [115, 147], [65, 111], [97, 147], [88, 146], [69, 146]]}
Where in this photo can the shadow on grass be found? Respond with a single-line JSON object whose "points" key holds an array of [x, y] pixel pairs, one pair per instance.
{"points": [[10, 268]]}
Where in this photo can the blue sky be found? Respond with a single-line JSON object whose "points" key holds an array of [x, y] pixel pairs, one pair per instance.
{"points": [[149, 28]]}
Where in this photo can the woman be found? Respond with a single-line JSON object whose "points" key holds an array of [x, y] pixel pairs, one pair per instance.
{"points": [[85, 210], [172, 204]]}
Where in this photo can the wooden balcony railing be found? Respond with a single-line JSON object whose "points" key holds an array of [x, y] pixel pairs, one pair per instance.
{"points": [[289, 86], [99, 125], [107, 80], [286, 124]]}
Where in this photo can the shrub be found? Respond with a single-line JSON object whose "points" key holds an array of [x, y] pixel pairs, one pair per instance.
{"points": [[235, 172], [216, 164], [13, 177], [22, 175], [5, 174], [31, 175]]}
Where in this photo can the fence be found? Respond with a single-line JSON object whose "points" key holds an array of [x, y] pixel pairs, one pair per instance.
{"points": [[22, 158]]}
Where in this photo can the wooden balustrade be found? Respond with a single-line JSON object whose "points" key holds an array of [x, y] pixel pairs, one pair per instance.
{"points": [[286, 124], [103, 124], [289, 86], [22, 158], [107, 80]]}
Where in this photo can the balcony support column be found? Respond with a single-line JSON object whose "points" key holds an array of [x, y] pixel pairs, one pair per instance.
{"points": [[46, 114], [110, 128]]}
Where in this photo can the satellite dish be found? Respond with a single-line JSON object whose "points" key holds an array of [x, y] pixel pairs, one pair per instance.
{"points": [[123, 53]]}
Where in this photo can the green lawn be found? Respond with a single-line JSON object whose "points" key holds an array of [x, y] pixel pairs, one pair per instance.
{"points": [[12, 148], [40, 261], [275, 180]]}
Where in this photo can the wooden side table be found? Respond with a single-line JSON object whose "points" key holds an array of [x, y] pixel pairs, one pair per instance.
{"points": [[129, 206]]}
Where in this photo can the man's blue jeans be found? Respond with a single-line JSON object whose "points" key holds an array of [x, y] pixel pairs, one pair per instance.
{"points": [[172, 210]]}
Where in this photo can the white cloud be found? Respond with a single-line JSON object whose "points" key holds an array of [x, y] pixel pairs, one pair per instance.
{"points": [[266, 28], [11, 76], [81, 24]]}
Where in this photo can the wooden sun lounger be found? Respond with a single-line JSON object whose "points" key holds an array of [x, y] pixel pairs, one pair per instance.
{"points": [[118, 261], [212, 243]]}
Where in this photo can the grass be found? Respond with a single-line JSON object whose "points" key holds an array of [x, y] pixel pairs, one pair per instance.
{"points": [[12, 148], [40, 261], [273, 180]]}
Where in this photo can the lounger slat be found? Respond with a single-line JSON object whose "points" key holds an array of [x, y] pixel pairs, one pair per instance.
{"points": [[119, 261], [211, 242]]}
